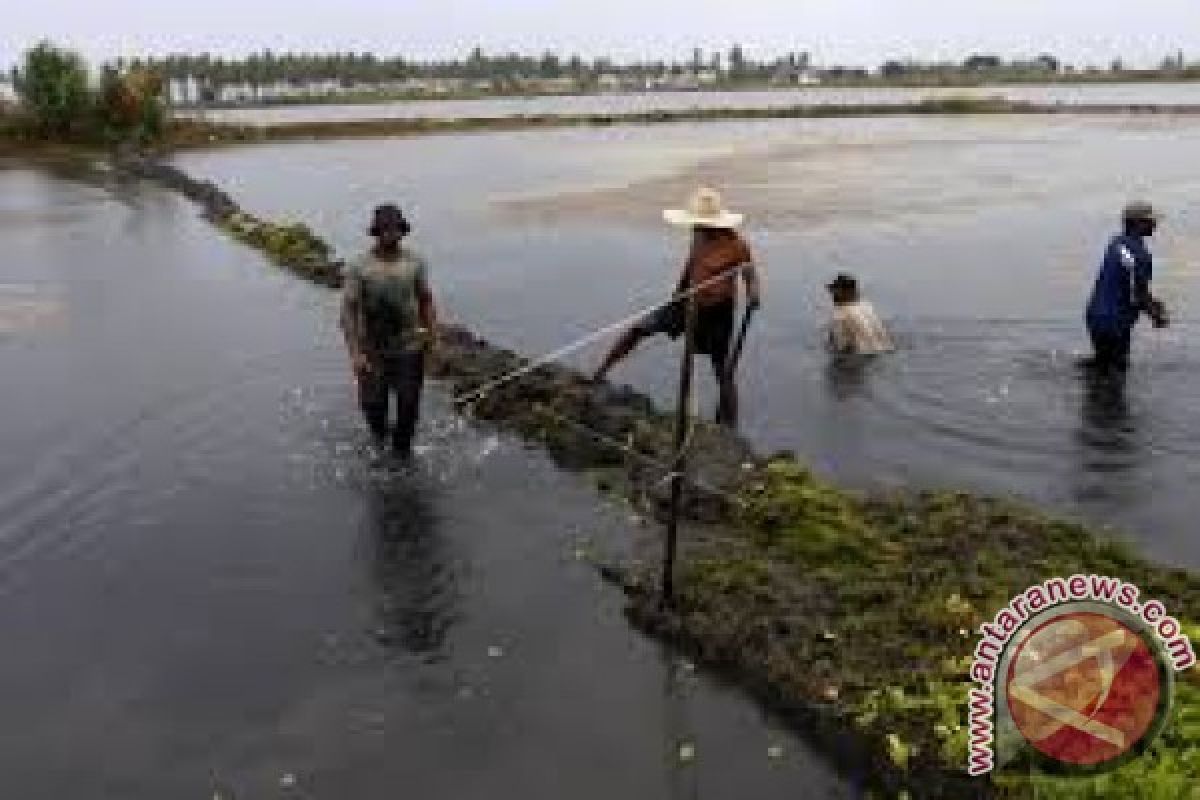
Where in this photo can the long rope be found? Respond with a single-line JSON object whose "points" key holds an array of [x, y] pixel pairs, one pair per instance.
{"points": [[475, 395], [480, 392], [629, 450]]}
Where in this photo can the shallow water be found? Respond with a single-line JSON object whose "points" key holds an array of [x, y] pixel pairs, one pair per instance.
{"points": [[1106, 94], [977, 238], [206, 590]]}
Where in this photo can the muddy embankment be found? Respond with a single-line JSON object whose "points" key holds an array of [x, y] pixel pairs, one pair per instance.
{"points": [[853, 616]]}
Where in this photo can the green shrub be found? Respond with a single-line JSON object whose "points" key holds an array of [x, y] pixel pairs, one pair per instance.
{"points": [[53, 87]]}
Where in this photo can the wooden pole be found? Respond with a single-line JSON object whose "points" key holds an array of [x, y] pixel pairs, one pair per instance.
{"points": [[679, 463]]}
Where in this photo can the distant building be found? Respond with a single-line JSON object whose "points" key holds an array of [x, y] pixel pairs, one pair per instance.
{"points": [[555, 85], [184, 92], [235, 94], [843, 73], [683, 82], [611, 82], [8, 95], [791, 74], [433, 86], [325, 87]]}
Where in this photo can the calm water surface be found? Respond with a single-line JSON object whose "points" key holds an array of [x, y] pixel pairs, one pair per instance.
{"points": [[206, 592], [1108, 94], [977, 238]]}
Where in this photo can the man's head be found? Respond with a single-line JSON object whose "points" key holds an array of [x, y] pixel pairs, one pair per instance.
{"points": [[388, 225], [843, 289], [705, 233], [1140, 219]]}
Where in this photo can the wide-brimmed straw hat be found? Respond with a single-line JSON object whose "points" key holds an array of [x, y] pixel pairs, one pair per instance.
{"points": [[704, 210]]}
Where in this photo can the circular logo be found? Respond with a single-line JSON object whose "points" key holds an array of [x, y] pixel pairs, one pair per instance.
{"points": [[1086, 689]]}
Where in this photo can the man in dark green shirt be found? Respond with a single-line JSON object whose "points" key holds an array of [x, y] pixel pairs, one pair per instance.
{"points": [[390, 322]]}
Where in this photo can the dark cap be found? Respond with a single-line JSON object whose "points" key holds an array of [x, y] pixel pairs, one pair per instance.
{"points": [[1139, 212], [844, 281], [388, 217]]}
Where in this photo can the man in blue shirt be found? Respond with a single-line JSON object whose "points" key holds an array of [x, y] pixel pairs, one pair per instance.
{"points": [[1122, 291]]}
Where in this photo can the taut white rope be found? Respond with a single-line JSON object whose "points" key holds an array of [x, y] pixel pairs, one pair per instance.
{"points": [[480, 392]]}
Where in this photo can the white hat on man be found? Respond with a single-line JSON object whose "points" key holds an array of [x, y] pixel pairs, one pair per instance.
{"points": [[704, 210]]}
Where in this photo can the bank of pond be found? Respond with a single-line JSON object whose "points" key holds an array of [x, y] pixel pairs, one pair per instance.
{"points": [[190, 133]]}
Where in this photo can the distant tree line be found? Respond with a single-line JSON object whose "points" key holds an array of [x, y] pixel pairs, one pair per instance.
{"points": [[732, 67], [973, 65], [349, 69], [60, 101], [1045, 66]]}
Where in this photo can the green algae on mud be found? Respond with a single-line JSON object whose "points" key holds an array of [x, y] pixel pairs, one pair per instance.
{"points": [[853, 616], [292, 246], [866, 610]]}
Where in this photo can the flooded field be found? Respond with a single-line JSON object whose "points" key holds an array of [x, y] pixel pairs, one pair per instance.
{"points": [[205, 591], [1107, 94], [977, 238]]}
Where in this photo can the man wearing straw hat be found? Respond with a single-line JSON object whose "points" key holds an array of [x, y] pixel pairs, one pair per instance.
{"points": [[1122, 290], [718, 256]]}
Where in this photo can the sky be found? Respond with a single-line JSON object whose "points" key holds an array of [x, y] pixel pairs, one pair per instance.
{"points": [[849, 32]]}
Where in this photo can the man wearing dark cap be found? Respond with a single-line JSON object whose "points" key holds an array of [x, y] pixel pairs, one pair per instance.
{"points": [[855, 328], [390, 322], [1122, 290]]}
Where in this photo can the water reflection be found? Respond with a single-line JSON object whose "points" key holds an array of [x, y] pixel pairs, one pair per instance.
{"points": [[413, 571], [1113, 453], [848, 376], [182, 519], [683, 783], [1107, 426]]}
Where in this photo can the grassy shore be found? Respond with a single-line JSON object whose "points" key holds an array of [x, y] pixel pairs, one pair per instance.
{"points": [[853, 615]]}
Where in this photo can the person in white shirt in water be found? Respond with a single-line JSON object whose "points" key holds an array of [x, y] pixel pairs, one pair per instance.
{"points": [[855, 328]]}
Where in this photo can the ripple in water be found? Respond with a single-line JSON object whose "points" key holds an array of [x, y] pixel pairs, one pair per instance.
{"points": [[336, 449], [1004, 402], [25, 307]]}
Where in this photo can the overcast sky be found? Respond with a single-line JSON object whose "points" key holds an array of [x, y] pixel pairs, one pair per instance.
{"points": [[835, 31]]}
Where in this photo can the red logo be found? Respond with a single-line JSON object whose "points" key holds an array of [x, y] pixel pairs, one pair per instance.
{"points": [[1083, 688]]}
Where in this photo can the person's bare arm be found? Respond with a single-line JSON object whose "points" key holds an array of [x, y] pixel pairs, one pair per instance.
{"points": [[427, 310], [350, 321], [1143, 299], [753, 285], [1146, 302]]}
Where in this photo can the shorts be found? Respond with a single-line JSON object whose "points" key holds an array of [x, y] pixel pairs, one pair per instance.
{"points": [[714, 326]]}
